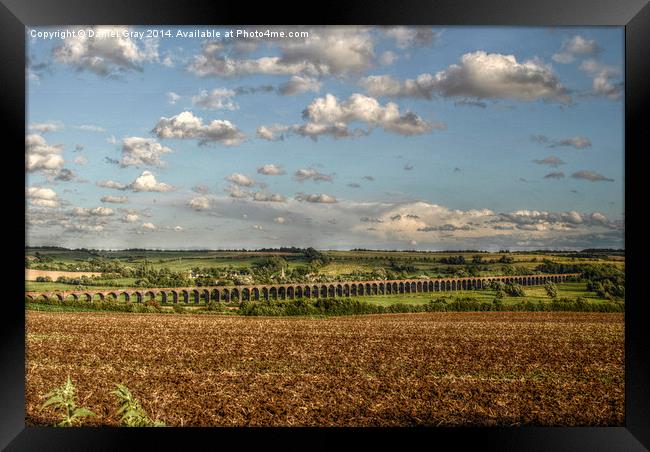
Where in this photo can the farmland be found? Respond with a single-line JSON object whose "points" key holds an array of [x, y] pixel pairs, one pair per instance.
{"points": [[440, 369], [517, 356], [148, 268]]}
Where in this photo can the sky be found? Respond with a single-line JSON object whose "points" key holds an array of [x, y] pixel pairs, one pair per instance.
{"points": [[422, 138]]}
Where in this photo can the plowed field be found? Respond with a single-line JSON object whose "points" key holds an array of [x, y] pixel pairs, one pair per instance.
{"points": [[439, 369]]}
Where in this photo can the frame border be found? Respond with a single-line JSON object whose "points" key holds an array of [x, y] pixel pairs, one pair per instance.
{"points": [[634, 15]]}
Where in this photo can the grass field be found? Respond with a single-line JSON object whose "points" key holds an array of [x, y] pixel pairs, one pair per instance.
{"points": [[343, 262], [437, 369]]}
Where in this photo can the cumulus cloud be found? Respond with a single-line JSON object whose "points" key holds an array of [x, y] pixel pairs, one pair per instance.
{"points": [[603, 76], [329, 116], [130, 218], [327, 51], [41, 156], [42, 197], [271, 169], [138, 151], [577, 142], [148, 226], [240, 179], [299, 84], [106, 55], [187, 126], [199, 203], [96, 212], [147, 182], [112, 184], [237, 192], [591, 176], [65, 175], [217, 99], [478, 75], [302, 175], [115, 199], [316, 198], [551, 160], [576, 46], [273, 132], [406, 37]]}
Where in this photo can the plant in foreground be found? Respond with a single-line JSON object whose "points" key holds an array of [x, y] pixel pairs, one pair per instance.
{"points": [[133, 415], [63, 399]]}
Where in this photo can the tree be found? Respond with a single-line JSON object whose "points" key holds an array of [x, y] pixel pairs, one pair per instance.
{"points": [[551, 289]]}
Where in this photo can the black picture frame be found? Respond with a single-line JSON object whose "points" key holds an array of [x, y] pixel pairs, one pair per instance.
{"points": [[634, 15]]}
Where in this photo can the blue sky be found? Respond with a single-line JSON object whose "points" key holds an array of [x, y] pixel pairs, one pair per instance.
{"points": [[380, 137]]}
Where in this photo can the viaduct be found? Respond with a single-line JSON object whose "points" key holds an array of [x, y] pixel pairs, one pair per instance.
{"points": [[293, 291]]}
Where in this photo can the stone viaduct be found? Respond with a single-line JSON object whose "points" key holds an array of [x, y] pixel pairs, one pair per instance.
{"points": [[297, 290]]}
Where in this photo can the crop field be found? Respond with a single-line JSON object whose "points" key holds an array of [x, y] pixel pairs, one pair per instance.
{"points": [[438, 369]]}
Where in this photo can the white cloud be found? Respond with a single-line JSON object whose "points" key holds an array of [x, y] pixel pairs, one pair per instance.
{"points": [[271, 170], [305, 174], [148, 226], [96, 212], [240, 179], [130, 218], [178, 228], [105, 55], [147, 182], [115, 199], [42, 197], [187, 126], [578, 142], [217, 99], [300, 84], [112, 184], [328, 116], [272, 133], [172, 98], [41, 156], [279, 220], [316, 198], [406, 37], [90, 128], [44, 127], [478, 75], [575, 47], [237, 192], [327, 51], [138, 151], [602, 76], [199, 203]]}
